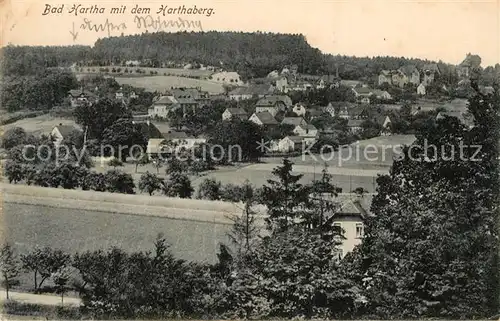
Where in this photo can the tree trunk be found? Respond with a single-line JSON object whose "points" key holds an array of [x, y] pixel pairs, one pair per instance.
{"points": [[7, 289], [36, 283]]}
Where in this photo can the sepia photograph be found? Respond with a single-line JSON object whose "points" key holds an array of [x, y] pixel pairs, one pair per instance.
{"points": [[250, 160]]}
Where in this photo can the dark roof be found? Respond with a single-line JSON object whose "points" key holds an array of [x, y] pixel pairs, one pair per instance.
{"points": [[351, 204], [271, 100], [237, 111], [149, 130], [431, 67], [293, 120], [354, 122], [65, 130], [175, 135], [408, 70], [79, 92], [266, 118], [295, 139], [165, 100], [259, 89]]}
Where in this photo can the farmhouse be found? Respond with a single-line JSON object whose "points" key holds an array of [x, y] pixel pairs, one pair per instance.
{"points": [[229, 113], [263, 119], [227, 77], [80, 96], [291, 144], [60, 132]]}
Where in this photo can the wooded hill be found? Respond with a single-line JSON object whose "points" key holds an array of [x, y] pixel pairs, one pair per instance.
{"points": [[251, 54]]}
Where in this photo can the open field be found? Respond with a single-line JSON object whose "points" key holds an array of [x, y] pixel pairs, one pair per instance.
{"points": [[162, 83], [169, 71], [376, 153], [69, 220], [39, 125]]}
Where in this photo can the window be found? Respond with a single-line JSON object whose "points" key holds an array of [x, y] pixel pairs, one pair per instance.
{"points": [[338, 228], [359, 230]]}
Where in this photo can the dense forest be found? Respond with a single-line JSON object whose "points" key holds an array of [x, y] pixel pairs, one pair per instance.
{"points": [[251, 54]]}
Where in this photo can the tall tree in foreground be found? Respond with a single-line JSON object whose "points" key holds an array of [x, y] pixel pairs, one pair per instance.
{"points": [[245, 231], [321, 203], [432, 248], [284, 197]]}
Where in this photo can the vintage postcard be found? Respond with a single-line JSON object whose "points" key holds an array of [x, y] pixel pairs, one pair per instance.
{"points": [[249, 159]]}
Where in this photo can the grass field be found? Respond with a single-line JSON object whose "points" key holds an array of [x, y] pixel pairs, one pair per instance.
{"points": [[39, 125], [162, 83]]}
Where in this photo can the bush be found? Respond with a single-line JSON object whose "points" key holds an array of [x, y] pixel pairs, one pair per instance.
{"points": [[119, 182], [209, 189]]}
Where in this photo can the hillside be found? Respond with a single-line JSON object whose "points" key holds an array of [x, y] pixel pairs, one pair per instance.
{"points": [[253, 53]]}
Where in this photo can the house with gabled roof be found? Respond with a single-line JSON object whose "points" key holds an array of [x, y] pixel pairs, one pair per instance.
{"points": [[412, 74], [162, 106], [256, 90], [273, 104], [230, 113], [291, 143], [295, 121], [385, 77], [429, 72], [264, 118], [349, 215], [60, 132], [80, 96], [307, 130]]}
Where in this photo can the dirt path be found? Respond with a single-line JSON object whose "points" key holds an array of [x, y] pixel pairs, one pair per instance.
{"points": [[45, 299]]}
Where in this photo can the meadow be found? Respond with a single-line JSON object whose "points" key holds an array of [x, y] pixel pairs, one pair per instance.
{"points": [[39, 125], [162, 83]]}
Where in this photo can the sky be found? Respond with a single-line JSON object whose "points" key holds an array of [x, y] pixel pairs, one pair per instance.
{"points": [[435, 30]]}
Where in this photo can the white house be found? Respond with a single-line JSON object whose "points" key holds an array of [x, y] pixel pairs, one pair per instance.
{"points": [[299, 109], [291, 143], [305, 130], [282, 85], [162, 106], [227, 77], [421, 89]]}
